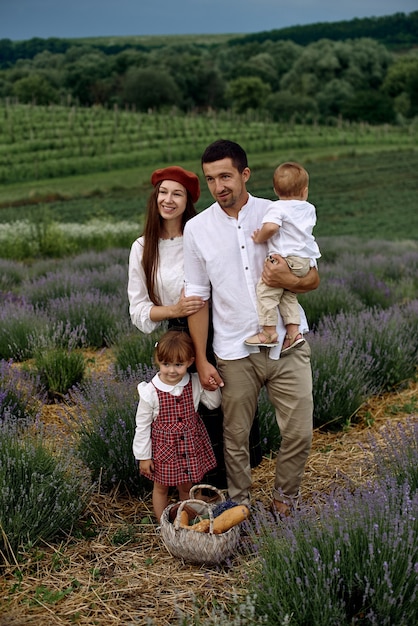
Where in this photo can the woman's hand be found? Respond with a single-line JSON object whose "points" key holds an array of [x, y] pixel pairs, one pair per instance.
{"points": [[188, 305]]}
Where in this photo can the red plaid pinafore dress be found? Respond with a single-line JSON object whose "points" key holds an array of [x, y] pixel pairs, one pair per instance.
{"points": [[181, 448]]}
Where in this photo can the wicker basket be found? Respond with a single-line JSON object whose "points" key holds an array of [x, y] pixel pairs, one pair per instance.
{"points": [[195, 547]]}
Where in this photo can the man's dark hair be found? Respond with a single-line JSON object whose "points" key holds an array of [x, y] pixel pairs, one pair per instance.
{"points": [[225, 149]]}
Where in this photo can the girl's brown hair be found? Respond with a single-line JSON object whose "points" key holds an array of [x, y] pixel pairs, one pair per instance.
{"points": [[152, 233], [174, 346]]}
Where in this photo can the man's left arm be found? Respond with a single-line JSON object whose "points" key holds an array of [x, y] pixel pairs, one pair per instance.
{"points": [[279, 275]]}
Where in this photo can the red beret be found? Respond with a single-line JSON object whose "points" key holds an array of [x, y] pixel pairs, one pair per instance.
{"points": [[179, 175]]}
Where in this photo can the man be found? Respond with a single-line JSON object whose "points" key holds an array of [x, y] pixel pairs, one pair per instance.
{"points": [[223, 263]]}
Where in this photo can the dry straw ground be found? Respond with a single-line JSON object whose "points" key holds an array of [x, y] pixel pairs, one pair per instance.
{"points": [[94, 580]]}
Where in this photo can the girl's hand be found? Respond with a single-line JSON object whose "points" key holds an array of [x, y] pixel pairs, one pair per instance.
{"points": [[254, 236], [146, 466], [188, 305]]}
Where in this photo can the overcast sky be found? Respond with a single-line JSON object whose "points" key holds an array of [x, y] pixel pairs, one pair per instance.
{"points": [[24, 19]]}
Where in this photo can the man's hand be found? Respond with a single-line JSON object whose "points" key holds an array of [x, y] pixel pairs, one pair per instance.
{"points": [[278, 274], [209, 376]]}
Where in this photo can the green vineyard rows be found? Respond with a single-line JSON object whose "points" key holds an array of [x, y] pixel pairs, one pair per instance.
{"points": [[48, 142]]}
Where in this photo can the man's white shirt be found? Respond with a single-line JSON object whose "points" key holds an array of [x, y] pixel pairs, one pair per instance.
{"points": [[219, 252]]}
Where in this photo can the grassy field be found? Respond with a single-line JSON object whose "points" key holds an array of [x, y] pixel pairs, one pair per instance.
{"points": [[91, 163], [370, 195]]}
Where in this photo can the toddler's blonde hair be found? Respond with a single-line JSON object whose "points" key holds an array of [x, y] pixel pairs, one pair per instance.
{"points": [[290, 179]]}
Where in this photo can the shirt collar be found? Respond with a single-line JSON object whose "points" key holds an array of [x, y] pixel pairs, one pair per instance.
{"points": [[242, 210], [174, 389]]}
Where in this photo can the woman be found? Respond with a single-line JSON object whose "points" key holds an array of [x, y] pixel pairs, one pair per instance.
{"points": [[155, 285]]}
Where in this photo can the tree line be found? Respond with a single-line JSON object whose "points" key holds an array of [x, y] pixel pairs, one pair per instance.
{"points": [[395, 31], [331, 74]]}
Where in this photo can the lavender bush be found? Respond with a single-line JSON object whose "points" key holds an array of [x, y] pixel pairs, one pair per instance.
{"points": [[65, 281], [332, 297], [91, 304], [100, 314], [60, 369], [381, 275], [21, 395], [134, 349], [42, 493], [399, 458], [354, 562], [396, 266], [100, 261], [341, 377], [372, 291], [20, 327], [104, 422], [93, 298], [349, 249], [356, 356], [12, 274], [61, 334], [60, 283], [86, 261]]}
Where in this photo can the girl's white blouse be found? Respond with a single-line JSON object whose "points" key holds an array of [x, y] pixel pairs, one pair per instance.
{"points": [[170, 280], [148, 408]]}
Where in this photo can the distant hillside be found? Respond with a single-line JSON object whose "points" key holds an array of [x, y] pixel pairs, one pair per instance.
{"points": [[394, 31], [360, 70], [12, 51], [399, 30]]}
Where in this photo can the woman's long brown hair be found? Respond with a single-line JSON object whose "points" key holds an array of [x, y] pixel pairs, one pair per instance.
{"points": [[152, 232]]}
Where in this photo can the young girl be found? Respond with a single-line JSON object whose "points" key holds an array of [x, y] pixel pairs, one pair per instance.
{"points": [[171, 442]]}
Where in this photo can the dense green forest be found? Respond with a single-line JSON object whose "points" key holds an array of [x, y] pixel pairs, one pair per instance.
{"points": [[395, 31], [358, 70]]}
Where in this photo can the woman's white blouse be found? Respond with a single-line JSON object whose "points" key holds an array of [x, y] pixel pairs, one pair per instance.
{"points": [[169, 281]]}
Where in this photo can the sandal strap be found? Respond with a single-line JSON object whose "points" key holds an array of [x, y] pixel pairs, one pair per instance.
{"points": [[292, 338], [265, 335]]}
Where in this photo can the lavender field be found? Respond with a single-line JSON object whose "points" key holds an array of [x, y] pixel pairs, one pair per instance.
{"points": [[363, 320], [58, 315]]}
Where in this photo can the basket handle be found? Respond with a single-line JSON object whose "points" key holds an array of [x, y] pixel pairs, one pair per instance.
{"points": [[193, 501], [215, 489]]}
